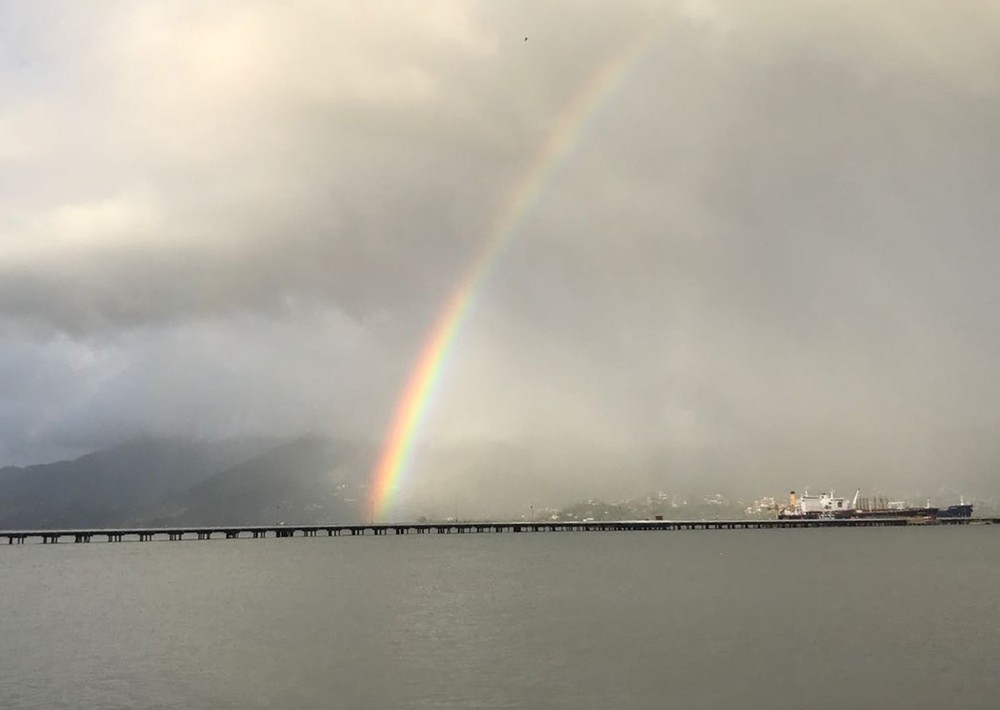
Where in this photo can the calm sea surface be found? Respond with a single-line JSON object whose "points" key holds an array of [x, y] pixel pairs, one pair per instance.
{"points": [[868, 618]]}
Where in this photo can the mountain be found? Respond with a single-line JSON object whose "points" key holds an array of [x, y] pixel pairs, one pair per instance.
{"points": [[107, 488], [310, 480]]}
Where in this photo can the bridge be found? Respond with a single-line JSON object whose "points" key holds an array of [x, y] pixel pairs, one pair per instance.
{"points": [[18, 537]]}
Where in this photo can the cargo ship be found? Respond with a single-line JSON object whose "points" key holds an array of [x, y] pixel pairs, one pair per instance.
{"points": [[826, 505]]}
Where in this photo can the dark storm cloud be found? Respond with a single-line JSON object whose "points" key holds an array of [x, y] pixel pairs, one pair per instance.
{"points": [[770, 254]]}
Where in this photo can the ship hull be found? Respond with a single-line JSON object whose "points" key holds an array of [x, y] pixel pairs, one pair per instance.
{"points": [[880, 513], [826, 506], [957, 511]]}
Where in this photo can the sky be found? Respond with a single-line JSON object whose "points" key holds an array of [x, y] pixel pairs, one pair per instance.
{"points": [[768, 259]]}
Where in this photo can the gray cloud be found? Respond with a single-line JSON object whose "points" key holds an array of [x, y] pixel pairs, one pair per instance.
{"points": [[768, 259]]}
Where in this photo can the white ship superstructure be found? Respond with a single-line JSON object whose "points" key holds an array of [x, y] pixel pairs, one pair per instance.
{"points": [[819, 505]]}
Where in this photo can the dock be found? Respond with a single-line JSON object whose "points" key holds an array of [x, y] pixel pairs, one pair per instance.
{"points": [[48, 537]]}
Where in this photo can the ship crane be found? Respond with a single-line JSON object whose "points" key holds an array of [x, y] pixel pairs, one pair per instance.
{"points": [[854, 503]]}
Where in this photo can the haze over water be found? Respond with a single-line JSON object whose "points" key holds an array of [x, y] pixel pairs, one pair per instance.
{"points": [[839, 618]]}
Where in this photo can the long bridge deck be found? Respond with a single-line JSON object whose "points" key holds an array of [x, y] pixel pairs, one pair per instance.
{"points": [[17, 537]]}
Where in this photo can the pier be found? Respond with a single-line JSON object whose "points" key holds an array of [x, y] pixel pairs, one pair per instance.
{"points": [[48, 537]]}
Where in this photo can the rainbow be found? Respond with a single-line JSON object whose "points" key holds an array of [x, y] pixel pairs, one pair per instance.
{"points": [[397, 450]]}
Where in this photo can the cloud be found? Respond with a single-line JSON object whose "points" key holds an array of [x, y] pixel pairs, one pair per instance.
{"points": [[773, 240]]}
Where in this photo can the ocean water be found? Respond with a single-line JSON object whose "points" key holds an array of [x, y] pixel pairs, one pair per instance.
{"points": [[865, 618]]}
